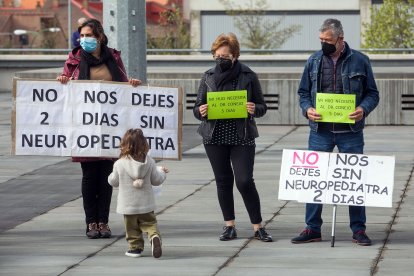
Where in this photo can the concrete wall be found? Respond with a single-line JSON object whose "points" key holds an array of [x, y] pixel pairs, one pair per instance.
{"points": [[191, 66], [280, 83], [281, 96]]}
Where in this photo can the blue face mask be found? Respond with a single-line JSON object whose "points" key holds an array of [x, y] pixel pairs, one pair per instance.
{"points": [[89, 44]]}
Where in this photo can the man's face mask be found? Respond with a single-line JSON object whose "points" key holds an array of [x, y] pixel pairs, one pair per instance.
{"points": [[224, 64], [89, 44], [328, 49]]}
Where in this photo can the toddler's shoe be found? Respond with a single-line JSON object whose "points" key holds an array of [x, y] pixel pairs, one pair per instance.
{"points": [[156, 247], [134, 253]]}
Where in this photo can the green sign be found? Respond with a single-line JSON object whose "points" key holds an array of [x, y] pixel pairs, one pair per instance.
{"points": [[335, 108], [227, 104]]}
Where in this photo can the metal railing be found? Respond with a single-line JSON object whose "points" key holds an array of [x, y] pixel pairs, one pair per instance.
{"points": [[205, 51], [33, 51]]}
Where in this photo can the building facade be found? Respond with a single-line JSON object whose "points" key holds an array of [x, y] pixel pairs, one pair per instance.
{"points": [[209, 19]]}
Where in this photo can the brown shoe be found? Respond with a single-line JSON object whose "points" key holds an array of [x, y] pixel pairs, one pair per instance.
{"points": [[92, 231], [104, 230]]}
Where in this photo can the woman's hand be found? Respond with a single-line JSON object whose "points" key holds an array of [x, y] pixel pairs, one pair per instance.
{"points": [[134, 82], [250, 108], [165, 169], [63, 79], [203, 110]]}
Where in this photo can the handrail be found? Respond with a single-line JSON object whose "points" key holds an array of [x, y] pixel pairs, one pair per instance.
{"points": [[206, 51], [33, 50]]}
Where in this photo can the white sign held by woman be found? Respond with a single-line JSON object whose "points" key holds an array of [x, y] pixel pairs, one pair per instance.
{"points": [[89, 118]]}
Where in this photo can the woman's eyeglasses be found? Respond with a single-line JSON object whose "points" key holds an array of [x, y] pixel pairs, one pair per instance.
{"points": [[223, 56]]}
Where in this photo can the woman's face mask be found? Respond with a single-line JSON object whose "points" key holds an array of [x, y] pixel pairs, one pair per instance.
{"points": [[89, 44], [224, 63]]}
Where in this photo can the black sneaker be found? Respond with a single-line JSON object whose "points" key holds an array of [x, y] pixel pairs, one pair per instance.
{"points": [[307, 235], [361, 238], [156, 247], [228, 234], [92, 231], [262, 235], [134, 253]]}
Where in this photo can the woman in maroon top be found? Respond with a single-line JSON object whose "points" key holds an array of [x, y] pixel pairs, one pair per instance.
{"points": [[93, 60]]}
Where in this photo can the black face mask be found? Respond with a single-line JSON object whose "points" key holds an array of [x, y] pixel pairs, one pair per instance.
{"points": [[328, 49], [224, 64]]}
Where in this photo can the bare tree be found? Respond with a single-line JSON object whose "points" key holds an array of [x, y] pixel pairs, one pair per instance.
{"points": [[175, 29], [257, 31]]}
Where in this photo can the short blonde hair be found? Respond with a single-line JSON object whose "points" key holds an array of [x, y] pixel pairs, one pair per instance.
{"points": [[229, 40]]}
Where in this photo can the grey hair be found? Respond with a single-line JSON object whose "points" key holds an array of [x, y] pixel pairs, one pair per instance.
{"points": [[82, 20], [334, 25]]}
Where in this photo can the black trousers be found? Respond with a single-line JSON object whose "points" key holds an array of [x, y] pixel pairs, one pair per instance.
{"points": [[96, 191], [235, 162]]}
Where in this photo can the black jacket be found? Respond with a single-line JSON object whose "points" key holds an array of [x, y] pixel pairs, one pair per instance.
{"points": [[247, 80]]}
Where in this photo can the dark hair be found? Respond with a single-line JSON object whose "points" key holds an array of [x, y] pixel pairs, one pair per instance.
{"points": [[97, 29], [134, 144], [230, 40]]}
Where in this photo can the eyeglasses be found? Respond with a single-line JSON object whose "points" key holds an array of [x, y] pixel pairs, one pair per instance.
{"points": [[223, 56]]}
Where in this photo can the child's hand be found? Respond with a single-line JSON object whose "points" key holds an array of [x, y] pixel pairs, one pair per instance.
{"points": [[164, 169]]}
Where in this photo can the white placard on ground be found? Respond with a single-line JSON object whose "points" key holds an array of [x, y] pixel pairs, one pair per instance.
{"points": [[336, 178]]}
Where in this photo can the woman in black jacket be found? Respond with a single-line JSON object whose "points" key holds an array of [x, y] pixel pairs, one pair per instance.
{"points": [[230, 143]]}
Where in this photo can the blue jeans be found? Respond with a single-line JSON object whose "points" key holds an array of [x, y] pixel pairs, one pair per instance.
{"points": [[349, 142]]}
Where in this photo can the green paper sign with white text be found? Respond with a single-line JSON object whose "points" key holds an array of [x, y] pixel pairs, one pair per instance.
{"points": [[227, 104], [335, 108]]}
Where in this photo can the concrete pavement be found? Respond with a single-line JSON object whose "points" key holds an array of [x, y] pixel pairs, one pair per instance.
{"points": [[53, 241]]}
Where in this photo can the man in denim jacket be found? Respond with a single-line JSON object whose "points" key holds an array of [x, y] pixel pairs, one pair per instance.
{"points": [[336, 69]]}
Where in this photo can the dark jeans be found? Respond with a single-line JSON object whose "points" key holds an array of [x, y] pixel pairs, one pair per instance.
{"points": [[235, 162], [96, 191], [349, 142]]}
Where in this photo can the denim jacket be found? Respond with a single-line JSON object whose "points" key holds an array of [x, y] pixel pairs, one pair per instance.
{"points": [[357, 78], [246, 128]]}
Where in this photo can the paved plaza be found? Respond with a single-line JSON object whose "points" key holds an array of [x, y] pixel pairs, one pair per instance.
{"points": [[42, 229]]}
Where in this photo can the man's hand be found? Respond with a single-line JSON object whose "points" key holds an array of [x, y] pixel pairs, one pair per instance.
{"points": [[357, 115], [312, 114]]}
